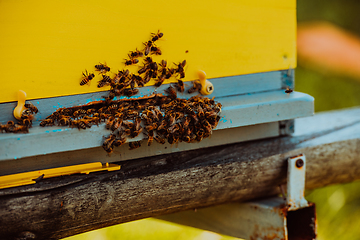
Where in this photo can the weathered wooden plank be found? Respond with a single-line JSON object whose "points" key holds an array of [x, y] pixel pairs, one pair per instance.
{"points": [[56, 208]]}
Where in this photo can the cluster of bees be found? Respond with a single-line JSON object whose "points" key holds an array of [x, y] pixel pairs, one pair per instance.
{"points": [[23, 125], [124, 83], [158, 117]]}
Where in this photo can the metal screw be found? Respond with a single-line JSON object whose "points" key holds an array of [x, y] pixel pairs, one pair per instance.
{"points": [[299, 163]]}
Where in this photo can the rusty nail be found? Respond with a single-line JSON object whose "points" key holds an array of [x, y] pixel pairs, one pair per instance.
{"points": [[299, 163]]}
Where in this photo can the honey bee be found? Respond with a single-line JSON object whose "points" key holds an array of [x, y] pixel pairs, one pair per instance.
{"points": [[288, 90], [108, 143], [156, 36], [135, 54], [102, 68], [32, 108], [150, 137], [153, 66], [180, 66], [159, 139], [87, 77], [180, 86], [136, 129], [47, 122], [151, 127], [138, 80], [20, 128], [133, 145], [155, 50], [119, 142], [81, 123], [109, 122], [79, 113], [171, 91], [104, 82], [159, 81], [65, 121], [169, 73], [116, 124], [163, 64], [143, 69], [130, 92], [131, 61], [196, 87], [148, 46]]}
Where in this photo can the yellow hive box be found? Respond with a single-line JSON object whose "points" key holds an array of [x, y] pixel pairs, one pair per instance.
{"points": [[46, 45]]}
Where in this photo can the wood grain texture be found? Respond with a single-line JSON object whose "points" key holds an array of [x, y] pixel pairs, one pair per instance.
{"points": [[65, 206]]}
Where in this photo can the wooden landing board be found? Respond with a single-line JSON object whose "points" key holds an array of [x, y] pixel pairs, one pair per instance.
{"points": [[45, 45], [237, 111]]}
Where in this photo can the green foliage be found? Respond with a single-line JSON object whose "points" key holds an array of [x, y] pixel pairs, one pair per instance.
{"points": [[329, 90], [148, 229]]}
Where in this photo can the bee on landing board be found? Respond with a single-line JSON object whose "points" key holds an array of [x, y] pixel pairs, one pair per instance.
{"points": [[180, 86], [32, 108], [288, 90], [133, 145], [87, 77]]}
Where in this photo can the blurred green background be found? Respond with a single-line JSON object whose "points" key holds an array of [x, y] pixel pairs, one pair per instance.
{"points": [[338, 206]]}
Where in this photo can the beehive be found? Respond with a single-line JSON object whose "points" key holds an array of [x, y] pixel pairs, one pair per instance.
{"points": [[246, 48]]}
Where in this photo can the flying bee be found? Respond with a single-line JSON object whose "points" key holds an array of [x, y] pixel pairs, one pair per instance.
{"points": [[171, 91], [180, 86], [135, 54], [102, 68], [131, 61], [104, 82], [32, 108], [155, 50], [130, 92], [148, 46], [87, 77], [288, 90], [133, 145], [196, 87], [156, 36]]}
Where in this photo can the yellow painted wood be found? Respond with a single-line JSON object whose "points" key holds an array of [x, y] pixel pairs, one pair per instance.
{"points": [[45, 45], [27, 178]]}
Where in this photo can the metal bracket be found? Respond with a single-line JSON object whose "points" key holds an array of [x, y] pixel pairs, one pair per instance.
{"points": [[296, 183]]}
